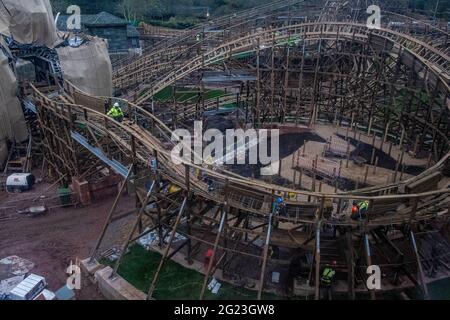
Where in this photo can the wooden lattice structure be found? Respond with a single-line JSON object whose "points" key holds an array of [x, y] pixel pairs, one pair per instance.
{"points": [[382, 82]]}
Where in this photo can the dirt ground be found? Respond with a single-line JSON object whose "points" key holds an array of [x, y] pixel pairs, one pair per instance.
{"points": [[53, 240]]}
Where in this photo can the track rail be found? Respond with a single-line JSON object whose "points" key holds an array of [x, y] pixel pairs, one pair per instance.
{"points": [[134, 139], [143, 136], [223, 22], [434, 59]]}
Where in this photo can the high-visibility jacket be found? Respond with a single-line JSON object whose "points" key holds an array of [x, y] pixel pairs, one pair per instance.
{"points": [[327, 276], [115, 112], [173, 189], [364, 205]]}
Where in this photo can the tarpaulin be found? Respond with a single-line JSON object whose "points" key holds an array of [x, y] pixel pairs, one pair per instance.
{"points": [[12, 121], [88, 67], [28, 21]]}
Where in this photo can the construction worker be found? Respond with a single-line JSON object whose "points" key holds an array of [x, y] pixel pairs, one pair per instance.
{"points": [[277, 203], [274, 252], [153, 165], [359, 210], [279, 207], [328, 278], [282, 209], [173, 189], [116, 112]]}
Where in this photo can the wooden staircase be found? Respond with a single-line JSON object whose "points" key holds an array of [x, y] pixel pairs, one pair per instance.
{"points": [[19, 158]]}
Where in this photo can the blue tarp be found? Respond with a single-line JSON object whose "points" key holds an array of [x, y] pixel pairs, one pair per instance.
{"points": [[114, 164]]}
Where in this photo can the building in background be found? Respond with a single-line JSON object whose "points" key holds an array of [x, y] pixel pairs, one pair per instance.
{"points": [[121, 35]]}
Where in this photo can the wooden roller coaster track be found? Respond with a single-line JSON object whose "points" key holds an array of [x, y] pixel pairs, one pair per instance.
{"points": [[130, 136], [143, 137], [436, 60]]}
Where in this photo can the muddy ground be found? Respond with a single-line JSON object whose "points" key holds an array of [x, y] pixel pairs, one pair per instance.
{"points": [[53, 240]]}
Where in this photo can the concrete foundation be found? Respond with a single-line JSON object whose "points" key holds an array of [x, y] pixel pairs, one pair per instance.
{"points": [[116, 288], [90, 268]]}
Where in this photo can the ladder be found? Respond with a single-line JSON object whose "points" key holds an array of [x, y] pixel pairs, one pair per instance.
{"points": [[19, 158]]}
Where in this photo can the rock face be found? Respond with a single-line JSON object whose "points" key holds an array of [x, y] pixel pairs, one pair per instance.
{"points": [[12, 121], [28, 22]]}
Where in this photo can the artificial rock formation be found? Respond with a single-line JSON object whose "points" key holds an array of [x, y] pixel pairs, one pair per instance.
{"points": [[12, 122], [88, 67], [28, 22]]}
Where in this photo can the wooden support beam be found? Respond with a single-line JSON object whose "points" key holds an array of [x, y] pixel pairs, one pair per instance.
{"points": [[133, 230], [317, 259], [366, 174], [110, 215], [211, 261], [375, 165], [265, 255], [369, 261], [419, 266], [166, 252], [350, 265]]}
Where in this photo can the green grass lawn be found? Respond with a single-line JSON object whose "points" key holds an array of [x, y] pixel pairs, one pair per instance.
{"points": [[175, 282]]}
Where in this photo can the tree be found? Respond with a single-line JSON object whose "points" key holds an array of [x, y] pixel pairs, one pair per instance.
{"points": [[60, 6], [131, 9]]}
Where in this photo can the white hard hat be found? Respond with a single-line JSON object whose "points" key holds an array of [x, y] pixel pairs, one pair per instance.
{"points": [[116, 104]]}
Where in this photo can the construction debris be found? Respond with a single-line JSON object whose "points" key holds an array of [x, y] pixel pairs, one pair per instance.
{"points": [[151, 239], [15, 266]]}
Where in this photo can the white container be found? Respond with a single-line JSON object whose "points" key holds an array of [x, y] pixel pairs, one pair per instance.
{"points": [[20, 182], [29, 288]]}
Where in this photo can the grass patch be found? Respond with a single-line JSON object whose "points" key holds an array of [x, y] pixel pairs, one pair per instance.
{"points": [[175, 282]]}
